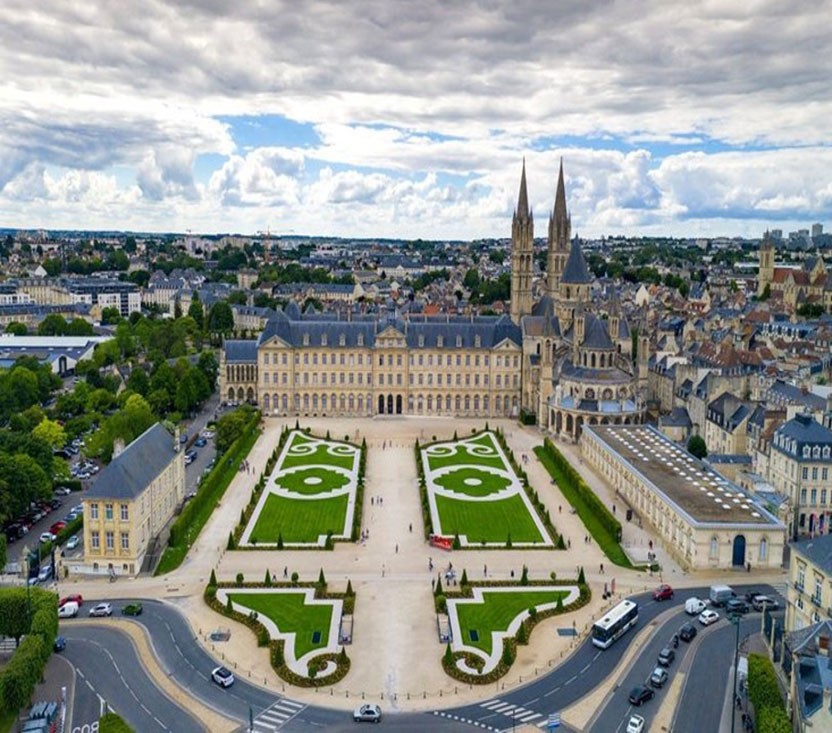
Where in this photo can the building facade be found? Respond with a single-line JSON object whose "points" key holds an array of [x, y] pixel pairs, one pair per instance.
{"points": [[809, 597], [132, 500]]}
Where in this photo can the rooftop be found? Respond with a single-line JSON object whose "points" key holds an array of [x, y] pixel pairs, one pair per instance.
{"points": [[686, 482]]}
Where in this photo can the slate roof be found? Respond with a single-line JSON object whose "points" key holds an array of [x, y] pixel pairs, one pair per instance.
{"points": [[817, 550], [132, 471], [804, 431], [575, 271], [678, 418], [596, 334], [240, 351]]}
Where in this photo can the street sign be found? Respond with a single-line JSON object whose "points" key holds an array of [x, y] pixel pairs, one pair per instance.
{"points": [[554, 721]]}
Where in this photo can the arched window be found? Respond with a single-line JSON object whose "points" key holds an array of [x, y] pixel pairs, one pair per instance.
{"points": [[762, 554], [714, 550]]}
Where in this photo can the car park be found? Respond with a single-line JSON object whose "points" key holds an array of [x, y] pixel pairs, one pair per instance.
{"points": [[635, 724], [694, 606], [222, 676], [736, 605], [666, 656], [72, 542], [102, 609], [640, 695], [132, 609], [763, 602], [60, 644], [659, 677], [663, 593], [706, 618], [687, 632], [367, 714]]}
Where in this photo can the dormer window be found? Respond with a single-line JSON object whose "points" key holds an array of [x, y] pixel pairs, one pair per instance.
{"points": [[342, 340], [323, 339], [361, 339], [306, 339], [477, 341], [459, 342], [440, 342], [421, 340]]}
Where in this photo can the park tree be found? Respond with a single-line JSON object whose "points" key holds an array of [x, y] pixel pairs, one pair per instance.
{"points": [[53, 325], [196, 311], [697, 446], [52, 432], [221, 318], [17, 329]]}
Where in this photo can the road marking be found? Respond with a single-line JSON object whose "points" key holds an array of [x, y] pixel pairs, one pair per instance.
{"points": [[475, 723], [277, 715]]}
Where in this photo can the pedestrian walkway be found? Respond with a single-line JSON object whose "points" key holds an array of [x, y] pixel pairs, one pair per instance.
{"points": [[513, 712], [275, 717]]}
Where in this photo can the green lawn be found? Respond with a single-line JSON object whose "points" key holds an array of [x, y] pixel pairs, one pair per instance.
{"points": [[465, 457], [320, 481], [496, 612], [488, 482], [291, 615], [330, 454], [488, 521], [300, 520]]}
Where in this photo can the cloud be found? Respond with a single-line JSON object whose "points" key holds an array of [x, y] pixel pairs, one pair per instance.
{"points": [[264, 177]]}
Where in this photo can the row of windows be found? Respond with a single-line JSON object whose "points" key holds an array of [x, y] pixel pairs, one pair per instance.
{"points": [[502, 405], [420, 340], [109, 540], [360, 378], [762, 552], [507, 361], [790, 445], [813, 496], [823, 473], [108, 511], [801, 581]]}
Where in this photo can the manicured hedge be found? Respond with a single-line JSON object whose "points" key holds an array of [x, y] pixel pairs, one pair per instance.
{"points": [[522, 636], [112, 723], [598, 520], [764, 693], [189, 523], [276, 652]]}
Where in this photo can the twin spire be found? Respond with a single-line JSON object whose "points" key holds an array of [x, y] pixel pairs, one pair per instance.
{"points": [[523, 200], [523, 210]]}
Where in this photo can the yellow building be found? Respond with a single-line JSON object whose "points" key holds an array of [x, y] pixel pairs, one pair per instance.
{"points": [[132, 500], [810, 583]]}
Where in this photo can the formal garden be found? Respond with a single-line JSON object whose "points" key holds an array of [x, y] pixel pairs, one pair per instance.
{"points": [[474, 492], [300, 622], [487, 620], [309, 495]]}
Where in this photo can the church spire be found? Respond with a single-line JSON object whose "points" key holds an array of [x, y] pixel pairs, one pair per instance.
{"points": [[560, 228], [560, 196], [523, 199]]}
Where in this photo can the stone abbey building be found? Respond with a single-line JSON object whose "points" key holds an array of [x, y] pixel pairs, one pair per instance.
{"points": [[556, 357]]}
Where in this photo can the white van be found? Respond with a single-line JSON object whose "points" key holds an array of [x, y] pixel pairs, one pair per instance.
{"points": [[694, 606], [720, 594], [68, 610]]}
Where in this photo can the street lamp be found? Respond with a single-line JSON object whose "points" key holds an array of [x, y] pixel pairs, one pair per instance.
{"points": [[735, 618]]}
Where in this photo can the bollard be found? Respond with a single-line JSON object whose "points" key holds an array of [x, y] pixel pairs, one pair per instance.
{"points": [[455, 690], [382, 695]]}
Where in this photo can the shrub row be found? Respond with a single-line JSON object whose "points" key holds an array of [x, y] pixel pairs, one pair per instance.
{"points": [[600, 522], [522, 636], [764, 693], [248, 511], [112, 723], [276, 646], [25, 668], [189, 523]]}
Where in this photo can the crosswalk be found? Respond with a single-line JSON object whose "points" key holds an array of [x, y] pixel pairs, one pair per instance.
{"points": [[276, 716], [516, 713]]}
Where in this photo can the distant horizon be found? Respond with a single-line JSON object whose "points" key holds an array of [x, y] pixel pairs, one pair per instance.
{"points": [[413, 120]]}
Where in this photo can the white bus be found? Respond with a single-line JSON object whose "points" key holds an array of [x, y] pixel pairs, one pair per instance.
{"points": [[616, 621]]}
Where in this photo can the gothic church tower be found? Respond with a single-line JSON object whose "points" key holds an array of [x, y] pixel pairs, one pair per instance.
{"points": [[766, 274], [560, 232], [522, 254]]}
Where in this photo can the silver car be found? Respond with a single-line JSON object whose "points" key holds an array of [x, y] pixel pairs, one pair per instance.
{"points": [[367, 714]]}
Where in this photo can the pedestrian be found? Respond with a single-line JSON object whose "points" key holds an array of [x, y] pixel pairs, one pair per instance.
{"points": [[383, 569], [430, 564], [381, 501], [397, 549], [512, 573], [602, 568], [286, 571], [560, 509], [650, 544], [410, 527], [569, 543], [586, 539], [613, 508], [485, 570], [274, 578], [372, 501]]}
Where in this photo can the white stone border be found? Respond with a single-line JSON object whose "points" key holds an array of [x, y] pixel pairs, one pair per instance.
{"points": [[271, 487], [497, 637], [515, 487], [298, 666]]}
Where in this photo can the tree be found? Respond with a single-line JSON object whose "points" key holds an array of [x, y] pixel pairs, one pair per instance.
{"points": [[52, 325], [79, 327], [17, 329], [110, 315], [697, 446], [209, 366], [2, 550], [221, 318], [50, 431]]}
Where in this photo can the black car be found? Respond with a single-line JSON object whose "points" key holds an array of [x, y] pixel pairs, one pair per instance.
{"points": [[60, 644], [640, 694], [751, 595], [666, 656], [736, 605], [687, 632]]}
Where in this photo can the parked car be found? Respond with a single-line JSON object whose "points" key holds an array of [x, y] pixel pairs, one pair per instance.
{"points": [[367, 714], [72, 542], [132, 609], [47, 537], [102, 609], [659, 677], [694, 606], [663, 593], [666, 656], [57, 527], [74, 598], [62, 491], [201, 442], [736, 605], [751, 595], [640, 695], [687, 632], [68, 610], [60, 644], [763, 602], [45, 573], [706, 618], [635, 724], [222, 676]]}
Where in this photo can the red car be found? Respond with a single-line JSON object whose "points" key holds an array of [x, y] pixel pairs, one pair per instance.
{"points": [[663, 593], [57, 527], [75, 598]]}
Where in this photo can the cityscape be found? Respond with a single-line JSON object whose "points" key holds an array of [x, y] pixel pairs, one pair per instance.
{"points": [[394, 364]]}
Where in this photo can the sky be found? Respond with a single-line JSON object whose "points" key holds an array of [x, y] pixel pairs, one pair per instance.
{"points": [[412, 119]]}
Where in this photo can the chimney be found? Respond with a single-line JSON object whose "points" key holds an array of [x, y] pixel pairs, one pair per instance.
{"points": [[118, 447], [176, 439]]}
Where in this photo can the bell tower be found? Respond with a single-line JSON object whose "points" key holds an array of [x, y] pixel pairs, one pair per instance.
{"points": [[560, 233], [766, 274], [522, 254]]}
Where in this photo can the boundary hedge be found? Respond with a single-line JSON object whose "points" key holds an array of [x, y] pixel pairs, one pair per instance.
{"points": [[195, 515], [598, 520], [764, 693], [276, 646]]}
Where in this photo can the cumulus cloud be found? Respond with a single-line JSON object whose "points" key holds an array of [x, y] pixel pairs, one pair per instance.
{"points": [[264, 177]]}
